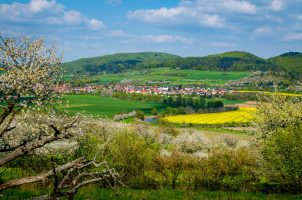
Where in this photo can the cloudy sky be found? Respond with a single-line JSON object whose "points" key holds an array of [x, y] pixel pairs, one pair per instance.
{"points": [[86, 28]]}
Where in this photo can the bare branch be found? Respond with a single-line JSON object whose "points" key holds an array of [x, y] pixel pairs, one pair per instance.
{"points": [[23, 149], [41, 177]]}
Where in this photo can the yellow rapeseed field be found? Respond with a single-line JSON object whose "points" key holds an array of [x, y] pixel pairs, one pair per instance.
{"points": [[237, 116], [271, 93]]}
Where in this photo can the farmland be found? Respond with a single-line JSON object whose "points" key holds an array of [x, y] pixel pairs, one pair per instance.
{"points": [[239, 116], [267, 93], [105, 106], [169, 76]]}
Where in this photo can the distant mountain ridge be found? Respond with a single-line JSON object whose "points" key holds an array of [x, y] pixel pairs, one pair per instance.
{"points": [[290, 62]]}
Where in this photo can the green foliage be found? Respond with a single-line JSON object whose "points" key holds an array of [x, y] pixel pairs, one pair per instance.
{"points": [[132, 156], [278, 124], [291, 62], [283, 158], [228, 169], [154, 111], [170, 167], [89, 146], [229, 61], [140, 114]]}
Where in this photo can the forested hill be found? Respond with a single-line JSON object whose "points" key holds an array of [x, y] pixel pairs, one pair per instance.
{"points": [[229, 61], [291, 61], [116, 62]]}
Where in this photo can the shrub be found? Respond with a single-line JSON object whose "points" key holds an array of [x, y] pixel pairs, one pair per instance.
{"points": [[140, 115], [172, 165], [132, 156], [227, 169], [278, 125]]}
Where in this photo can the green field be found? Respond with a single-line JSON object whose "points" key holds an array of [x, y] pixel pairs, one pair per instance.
{"points": [[105, 106], [170, 76], [109, 106]]}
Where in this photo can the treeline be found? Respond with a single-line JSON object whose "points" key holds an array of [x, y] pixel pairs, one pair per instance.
{"points": [[231, 61], [198, 102], [138, 97], [116, 63], [217, 63], [182, 102]]}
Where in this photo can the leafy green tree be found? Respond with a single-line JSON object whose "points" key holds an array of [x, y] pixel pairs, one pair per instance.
{"points": [[170, 100], [190, 101], [278, 127], [154, 111], [202, 101], [181, 110], [179, 100], [140, 114]]}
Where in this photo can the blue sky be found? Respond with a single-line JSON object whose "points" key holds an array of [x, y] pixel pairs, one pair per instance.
{"points": [[87, 28]]}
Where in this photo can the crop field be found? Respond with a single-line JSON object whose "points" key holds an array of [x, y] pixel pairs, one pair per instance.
{"points": [[271, 93], [170, 76], [239, 116], [105, 106]]}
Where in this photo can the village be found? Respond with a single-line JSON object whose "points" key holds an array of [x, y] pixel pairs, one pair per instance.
{"points": [[143, 89]]}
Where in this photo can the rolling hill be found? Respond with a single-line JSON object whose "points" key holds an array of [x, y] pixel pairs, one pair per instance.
{"points": [[116, 63], [291, 62], [229, 61]]}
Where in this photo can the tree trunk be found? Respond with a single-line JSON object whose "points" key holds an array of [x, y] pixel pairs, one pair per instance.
{"points": [[32, 179]]}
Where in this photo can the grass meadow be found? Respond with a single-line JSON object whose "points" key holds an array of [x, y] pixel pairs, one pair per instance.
{"points": [[171, 76], [105, 106]]}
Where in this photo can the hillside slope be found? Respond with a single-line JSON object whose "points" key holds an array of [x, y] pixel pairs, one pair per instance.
{"points": [[229, 61], [116, 62], [291, 62]]}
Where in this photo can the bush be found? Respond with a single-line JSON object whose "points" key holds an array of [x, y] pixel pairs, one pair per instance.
{"points": [[227, 169], [140, 114], [278, 125], [132, 156], [282, 154]]}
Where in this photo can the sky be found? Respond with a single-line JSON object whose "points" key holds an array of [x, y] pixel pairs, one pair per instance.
{"points": [[88, 28]]}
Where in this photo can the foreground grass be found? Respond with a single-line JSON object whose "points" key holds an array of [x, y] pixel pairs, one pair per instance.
{"points": [[128, 194]]}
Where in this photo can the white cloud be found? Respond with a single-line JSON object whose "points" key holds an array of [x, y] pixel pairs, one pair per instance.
{"points": [[293, 37], [238, 6], [263, 30], [36, 6], [201, 12], [46, 11], [96, 24], [167, 39], [296, 16], [118, 33], [221, 44], [274, 18], [177, 15], [277, 5]]}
